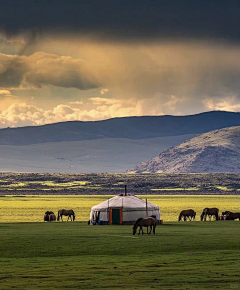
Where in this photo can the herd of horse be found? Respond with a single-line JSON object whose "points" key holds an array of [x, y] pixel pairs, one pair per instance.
{"points": [[183, 216], [150, 222], [208, 212], [49, 216]]}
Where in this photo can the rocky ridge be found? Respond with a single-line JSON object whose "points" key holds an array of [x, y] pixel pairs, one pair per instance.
{"points": [[215, 151]]}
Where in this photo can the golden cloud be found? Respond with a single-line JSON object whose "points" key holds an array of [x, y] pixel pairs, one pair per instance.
{"points": [[133, 79]]}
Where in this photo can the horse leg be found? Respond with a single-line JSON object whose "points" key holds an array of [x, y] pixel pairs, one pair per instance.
{"points": [[150, 229]]}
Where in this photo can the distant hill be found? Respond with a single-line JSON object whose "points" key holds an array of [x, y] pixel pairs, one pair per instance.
{"points": [[87, 156], [215, 151], [112, 145], [127, 127]]}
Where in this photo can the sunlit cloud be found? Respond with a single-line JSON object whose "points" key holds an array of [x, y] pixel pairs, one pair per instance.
{"points": [[76, 103], [104, 91], [114, 79], [226, 104], [23, 114]]}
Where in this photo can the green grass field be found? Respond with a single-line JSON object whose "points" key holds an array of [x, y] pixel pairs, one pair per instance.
{"points": [[190, 255], [73, 255]]}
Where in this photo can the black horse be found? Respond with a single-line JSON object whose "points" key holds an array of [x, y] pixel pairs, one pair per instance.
{"points": [[66, 212], [209, 212], [187, 214], [228, 215], [49, 216]]}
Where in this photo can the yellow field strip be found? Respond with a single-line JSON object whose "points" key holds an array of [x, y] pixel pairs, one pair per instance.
{"points": [[32, 208]]}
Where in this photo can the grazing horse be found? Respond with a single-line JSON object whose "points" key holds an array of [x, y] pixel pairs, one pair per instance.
{"points": [[188, 213], [49, 216], [209, 212], [52, 217], [145, 222], [228, 215], [67, 212]]}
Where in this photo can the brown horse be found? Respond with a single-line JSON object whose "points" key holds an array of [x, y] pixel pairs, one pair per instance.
{"points": [[66, 212], [49, 216], [145, 222], [188, 213], [228, 215], [209, 212]]}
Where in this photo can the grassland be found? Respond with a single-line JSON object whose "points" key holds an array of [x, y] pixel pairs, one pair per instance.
{"points": [[191, 255], [20, 208], [112, 184], [73, 255]]}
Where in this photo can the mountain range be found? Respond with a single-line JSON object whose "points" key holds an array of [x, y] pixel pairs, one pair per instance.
{"points": [[112, 145]]}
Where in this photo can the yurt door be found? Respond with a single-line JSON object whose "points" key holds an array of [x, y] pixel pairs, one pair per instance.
{"points": [[115, 216]]}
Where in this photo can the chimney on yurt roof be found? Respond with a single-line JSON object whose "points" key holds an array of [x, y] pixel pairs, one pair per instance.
{"points": [[125, 192]]}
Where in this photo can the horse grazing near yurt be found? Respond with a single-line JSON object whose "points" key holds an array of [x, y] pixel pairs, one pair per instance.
{"points": [[66, 212], [145, 222], [188, 213], [49, 216], [228, 215], [209, 212]]}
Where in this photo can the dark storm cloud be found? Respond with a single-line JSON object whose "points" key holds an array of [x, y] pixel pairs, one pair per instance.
{"points": [[215, 19], [41, 69]]}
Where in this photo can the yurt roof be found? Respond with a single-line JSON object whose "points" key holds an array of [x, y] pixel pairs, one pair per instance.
{"points": [[126, 201]]}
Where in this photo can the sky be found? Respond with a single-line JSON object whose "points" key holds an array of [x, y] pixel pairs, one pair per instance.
{"points": [[64, 60]]}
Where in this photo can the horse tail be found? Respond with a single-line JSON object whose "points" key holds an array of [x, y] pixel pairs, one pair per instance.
{"points": [[180, 216], [217, 212], [154, 227], [73, 215], [58, 215]]}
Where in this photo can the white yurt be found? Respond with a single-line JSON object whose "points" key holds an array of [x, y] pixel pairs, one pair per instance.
{"points": [[123, 209]]}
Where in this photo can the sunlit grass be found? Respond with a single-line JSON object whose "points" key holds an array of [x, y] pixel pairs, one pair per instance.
{"points": [[175, 189], [62, 184], [223, 188], [32, 208]]}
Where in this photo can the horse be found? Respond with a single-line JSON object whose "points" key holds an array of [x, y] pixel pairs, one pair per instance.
{"points": [[52, 217], [228, 215], [209, 212], [145, 222], [189, 213], [49, 216], [67, 212]]}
